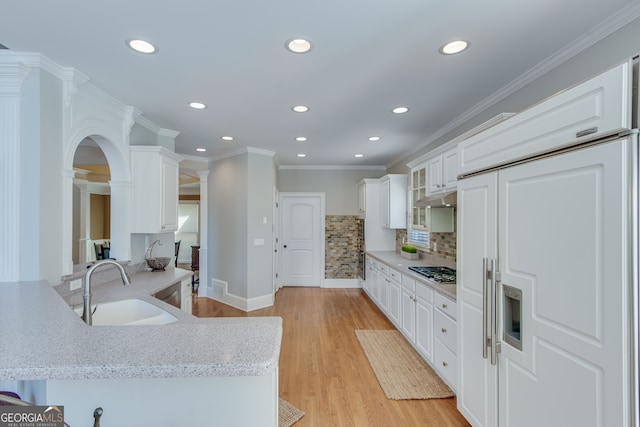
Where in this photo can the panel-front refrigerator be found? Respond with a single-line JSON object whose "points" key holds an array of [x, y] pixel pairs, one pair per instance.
{"points": [[547, 273]]}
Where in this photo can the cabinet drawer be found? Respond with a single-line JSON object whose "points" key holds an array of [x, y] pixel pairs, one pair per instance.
{"points": [[369, 260], [383, 268], [445, 330], [446, 364], [395, 275], [445, 304], [408, 283], [424, 292]]}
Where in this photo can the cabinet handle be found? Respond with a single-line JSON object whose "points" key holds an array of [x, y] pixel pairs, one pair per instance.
{"points": [[444, 364], [444, 330]]}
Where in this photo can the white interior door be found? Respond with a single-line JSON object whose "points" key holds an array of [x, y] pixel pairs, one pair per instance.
{"points": [[564, 244], [302, 239]]}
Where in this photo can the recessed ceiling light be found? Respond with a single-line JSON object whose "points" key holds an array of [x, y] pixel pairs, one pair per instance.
{"points": [[141, 46], [298, 45], [301, 155], [374, 138], [202, 150], [400, 110], [358, 155], [226, 138], [454, 47], [301, 138], [300, 108], [197, 105]]}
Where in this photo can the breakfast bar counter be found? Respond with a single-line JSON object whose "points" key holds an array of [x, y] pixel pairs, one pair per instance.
{"points": [[213, 360]]}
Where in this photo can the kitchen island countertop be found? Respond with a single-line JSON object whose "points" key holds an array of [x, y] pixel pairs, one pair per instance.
{"points": [[43, 338]]}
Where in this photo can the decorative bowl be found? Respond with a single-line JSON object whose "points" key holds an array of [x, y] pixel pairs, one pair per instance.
{"points": [[158, 263]]}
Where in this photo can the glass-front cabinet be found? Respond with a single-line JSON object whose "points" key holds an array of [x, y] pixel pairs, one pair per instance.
{"points": [[418, 191]]}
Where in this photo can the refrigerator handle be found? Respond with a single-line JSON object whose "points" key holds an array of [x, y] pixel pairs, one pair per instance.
{"points": [[485, 341], [494, 320]]}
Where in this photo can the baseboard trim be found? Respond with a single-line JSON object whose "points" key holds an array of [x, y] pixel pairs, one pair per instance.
{"points": [[219, 291], [341, 283]]}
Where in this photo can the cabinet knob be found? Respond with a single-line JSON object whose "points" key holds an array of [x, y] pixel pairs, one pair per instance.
{"points": [[444, 364], [444, 330], [443, 305]]}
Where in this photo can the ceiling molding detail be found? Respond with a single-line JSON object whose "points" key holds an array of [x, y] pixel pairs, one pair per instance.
{"points": [[599, 32], [330, 167]]}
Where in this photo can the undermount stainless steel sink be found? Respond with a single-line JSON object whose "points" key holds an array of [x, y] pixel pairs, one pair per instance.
{"points": [[128, 312]]}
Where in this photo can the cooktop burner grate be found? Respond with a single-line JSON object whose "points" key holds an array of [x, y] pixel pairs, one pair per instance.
{"points": [[437, 274]]}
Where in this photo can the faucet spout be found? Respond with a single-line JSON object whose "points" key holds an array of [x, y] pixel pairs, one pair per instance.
{"points": [[86, 312]]}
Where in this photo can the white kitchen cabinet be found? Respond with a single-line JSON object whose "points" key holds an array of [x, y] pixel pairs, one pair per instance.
{"points": [[383, 287], [595, 107], [372, 280], [362, 199], [394, 307], [376, 237], [154, 172], [558, 314], [408, 326], [186, 298], [445, 339], [424, 321], [442, 172], [393, 201]]}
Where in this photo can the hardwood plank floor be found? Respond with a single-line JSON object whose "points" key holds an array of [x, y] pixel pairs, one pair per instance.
{"points": [[323, 370]]}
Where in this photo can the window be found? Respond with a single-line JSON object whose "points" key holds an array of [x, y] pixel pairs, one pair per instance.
{"points": [[417, 235]]}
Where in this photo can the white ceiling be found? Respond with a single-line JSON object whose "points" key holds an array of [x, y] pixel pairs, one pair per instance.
{"points": [[368, 56]]}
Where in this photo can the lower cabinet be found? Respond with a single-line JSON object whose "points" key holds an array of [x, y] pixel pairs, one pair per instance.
{"points": [[394, 299], [425, 317], [445, 333], [408, 314], [185, 296], [424, 321]]}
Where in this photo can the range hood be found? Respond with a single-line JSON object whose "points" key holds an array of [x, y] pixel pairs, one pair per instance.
{"points": [[438, 201]]}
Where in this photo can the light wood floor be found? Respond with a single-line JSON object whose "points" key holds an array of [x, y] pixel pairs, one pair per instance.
{"points": [[323, 370]]}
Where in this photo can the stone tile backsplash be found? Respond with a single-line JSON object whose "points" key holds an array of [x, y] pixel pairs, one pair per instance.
{"points": [[341, 246], [440, 244]]}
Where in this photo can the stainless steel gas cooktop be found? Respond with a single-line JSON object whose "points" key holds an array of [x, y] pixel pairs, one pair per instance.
{"points": [[436, 274]]}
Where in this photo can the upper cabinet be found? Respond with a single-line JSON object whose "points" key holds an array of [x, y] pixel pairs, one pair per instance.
{"points": [[585, 112], [442, 169], [154, 172], [362, 199], [393, 201]]}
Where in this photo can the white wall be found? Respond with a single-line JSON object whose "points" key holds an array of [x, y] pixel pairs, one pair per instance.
{"points": [[339, 185], [240, 190]]}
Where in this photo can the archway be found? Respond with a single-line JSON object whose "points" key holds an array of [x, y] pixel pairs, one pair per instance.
{"points": [[116, 154], [91, 204]]}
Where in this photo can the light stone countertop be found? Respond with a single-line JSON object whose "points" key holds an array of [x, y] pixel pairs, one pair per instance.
{"points": [[42, 338], [395, 260]]}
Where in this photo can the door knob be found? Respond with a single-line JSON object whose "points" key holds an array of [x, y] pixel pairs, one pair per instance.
{"points": [[285, 246]]}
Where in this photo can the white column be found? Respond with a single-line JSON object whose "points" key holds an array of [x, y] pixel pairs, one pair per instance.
{"points": [[11, 77], [205, 282], [84, 254], [67, 222], [121, 220]]}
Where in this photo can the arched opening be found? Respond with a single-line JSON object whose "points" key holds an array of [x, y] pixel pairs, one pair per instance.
{"points": [[109, 154], [91, 239]]}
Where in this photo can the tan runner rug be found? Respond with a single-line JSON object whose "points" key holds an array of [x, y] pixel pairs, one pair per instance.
{"points": [[400, 370], [288, 414]]}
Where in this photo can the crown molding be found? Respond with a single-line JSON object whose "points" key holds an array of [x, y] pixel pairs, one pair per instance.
{"points": [[242, 150], [330, 167], [597, 33], [168, 132], [148, 124]]}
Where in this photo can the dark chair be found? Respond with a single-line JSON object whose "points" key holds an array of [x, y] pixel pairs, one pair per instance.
{"points": [[98, 248], [177, 250]]}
